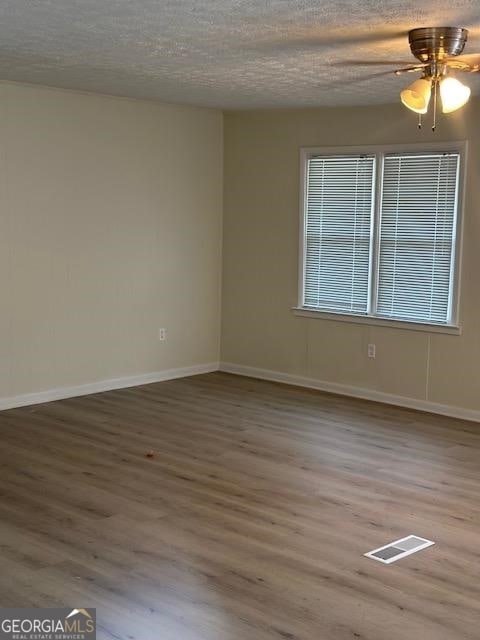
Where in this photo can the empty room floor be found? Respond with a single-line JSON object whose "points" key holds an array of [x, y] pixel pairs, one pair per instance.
{"points": [[251, 519]]}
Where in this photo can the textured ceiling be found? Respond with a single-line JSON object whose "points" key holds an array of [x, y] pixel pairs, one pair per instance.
{"points": [[233, 54]]}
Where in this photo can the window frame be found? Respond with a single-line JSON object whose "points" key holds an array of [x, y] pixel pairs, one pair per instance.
{"points": [[379, 151]]}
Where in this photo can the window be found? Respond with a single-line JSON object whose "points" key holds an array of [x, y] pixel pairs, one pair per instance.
{"points": [[379, 233]]}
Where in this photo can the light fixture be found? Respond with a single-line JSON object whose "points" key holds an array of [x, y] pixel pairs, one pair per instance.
{"points": [[417, 96], [438, 49], [453, 93]]}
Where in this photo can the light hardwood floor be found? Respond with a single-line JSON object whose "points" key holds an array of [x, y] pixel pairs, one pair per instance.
{"points": [[251, 520]]}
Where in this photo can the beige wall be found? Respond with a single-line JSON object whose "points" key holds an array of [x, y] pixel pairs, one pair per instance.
{"points": [[110, 227], [261, 252]]}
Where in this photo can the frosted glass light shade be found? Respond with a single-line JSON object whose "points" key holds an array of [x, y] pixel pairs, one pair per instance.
{"points": [[454, 94], [417, 96]]}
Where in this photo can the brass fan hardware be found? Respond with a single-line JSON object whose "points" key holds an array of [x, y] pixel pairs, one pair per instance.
{"points": [[438, 50]]}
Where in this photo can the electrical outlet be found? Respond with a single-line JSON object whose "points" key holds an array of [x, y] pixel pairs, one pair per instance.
{"points": [[371, 351], [162, 334]]}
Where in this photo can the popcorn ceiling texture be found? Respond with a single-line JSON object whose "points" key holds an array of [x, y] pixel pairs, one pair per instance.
{"points": [[231, 54]]}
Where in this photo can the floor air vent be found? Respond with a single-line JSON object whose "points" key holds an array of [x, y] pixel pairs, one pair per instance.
{"points": [[399, 549]]}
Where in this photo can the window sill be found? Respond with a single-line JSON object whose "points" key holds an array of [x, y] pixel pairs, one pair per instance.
{"points": [[305, 312]]}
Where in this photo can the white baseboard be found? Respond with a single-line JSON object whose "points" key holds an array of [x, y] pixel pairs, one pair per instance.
{"points": [[104, 385], [252, 372], [355, 392]]}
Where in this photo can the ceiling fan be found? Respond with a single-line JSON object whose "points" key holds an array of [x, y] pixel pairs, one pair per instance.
{"points": [[438, 50]]}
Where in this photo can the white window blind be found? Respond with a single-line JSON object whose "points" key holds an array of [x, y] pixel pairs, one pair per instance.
{"points": [[338, 219], [380, 233], [417, 232]]}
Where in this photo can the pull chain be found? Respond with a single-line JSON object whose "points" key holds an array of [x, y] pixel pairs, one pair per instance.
{"points": [[435, 84], [419, 120]]}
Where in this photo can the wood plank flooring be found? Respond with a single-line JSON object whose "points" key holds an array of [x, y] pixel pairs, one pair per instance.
{"points": [[250, 521]]}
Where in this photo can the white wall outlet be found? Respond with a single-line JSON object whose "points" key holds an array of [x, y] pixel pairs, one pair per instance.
{"points": [[162, 334], [371, 351]]}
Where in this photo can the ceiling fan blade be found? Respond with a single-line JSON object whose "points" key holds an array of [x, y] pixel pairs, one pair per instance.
{"points": [[409, 69], [341, 82], [317, 40], [470, 60], [405, 66], [369, 63]]}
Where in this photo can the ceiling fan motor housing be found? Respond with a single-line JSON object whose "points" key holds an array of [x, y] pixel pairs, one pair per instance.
{"points": [[430, 44]]}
